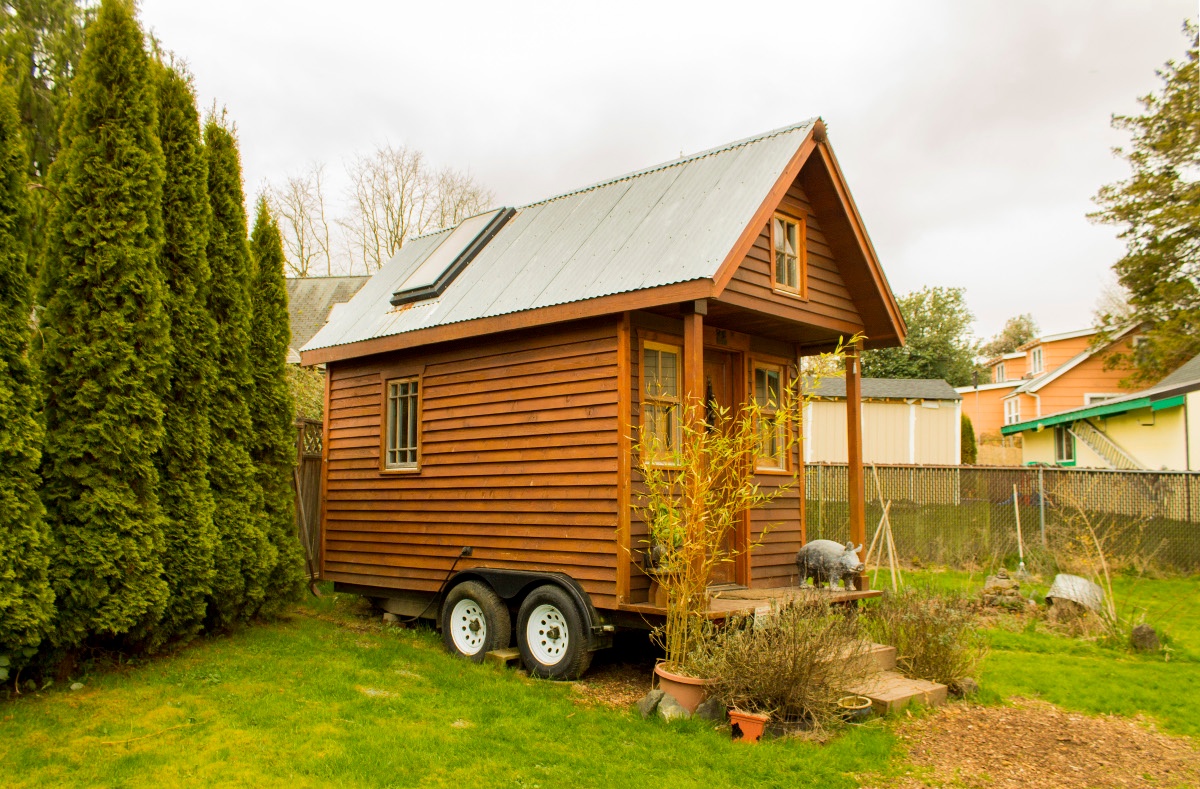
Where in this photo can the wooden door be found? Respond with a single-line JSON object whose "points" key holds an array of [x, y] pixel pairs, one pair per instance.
{"points": [[721, 388]]}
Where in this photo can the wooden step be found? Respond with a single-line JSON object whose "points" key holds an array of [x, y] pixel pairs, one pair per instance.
{"points": [[890, 691], [883, 657], [503, 656]]}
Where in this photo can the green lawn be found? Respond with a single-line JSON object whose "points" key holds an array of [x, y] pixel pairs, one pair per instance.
{"points": [[328, 697]]}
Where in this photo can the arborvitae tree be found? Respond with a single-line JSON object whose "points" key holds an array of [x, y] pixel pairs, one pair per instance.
{"points": [[105, 343], [970, 450], [26, 602], [187, 501], [244, 555], [273, 407]]}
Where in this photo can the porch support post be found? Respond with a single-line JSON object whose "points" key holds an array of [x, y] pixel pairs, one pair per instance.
{"points": [[854, 466], [693, 357]]}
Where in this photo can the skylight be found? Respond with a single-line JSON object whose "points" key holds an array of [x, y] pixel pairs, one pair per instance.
{"points": [[451, 256]]}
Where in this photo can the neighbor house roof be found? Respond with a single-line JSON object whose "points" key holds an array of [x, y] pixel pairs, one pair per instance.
{"points": [[1037, 382], [310, 300], [673, 224], [890, 389], [1168, 393]]}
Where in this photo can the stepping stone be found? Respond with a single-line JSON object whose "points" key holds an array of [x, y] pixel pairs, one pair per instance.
{"points": [[502, 657]]}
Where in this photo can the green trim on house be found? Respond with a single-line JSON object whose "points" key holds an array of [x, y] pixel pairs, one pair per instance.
{"points": [[1170, 402], [1087, 413]]}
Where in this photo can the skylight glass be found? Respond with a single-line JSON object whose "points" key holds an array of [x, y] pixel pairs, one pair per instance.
{"points": [[451, 257]]}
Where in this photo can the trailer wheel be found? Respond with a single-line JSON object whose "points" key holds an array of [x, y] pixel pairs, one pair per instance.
{"points": [[550, 635], [475, 621]]}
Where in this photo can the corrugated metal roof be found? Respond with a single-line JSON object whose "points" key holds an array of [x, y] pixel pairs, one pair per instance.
{"points": [[671, 223], [891, 389]]}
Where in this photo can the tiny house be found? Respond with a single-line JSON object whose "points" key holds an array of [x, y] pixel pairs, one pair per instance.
{"points": [[483, 388]]}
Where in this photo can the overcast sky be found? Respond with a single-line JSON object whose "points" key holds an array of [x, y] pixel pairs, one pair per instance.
{"points": [[973, 135]]}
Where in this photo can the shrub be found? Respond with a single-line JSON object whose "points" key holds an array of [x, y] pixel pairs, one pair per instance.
{"points": [[936, 633], [970, 452], [795, 665]]}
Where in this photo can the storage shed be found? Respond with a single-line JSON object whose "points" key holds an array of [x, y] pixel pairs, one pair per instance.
{"points": [[483, 388], [905, 420]]}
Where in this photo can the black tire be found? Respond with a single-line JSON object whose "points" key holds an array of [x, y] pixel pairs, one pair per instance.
{"points": [[475, 621], [551, 635]]}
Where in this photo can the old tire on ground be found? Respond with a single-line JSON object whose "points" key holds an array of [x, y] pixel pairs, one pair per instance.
{"points": [[475, 621], [551, 635]]}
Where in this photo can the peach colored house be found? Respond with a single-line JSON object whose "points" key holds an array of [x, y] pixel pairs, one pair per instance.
{"points": [[1050, 374]]}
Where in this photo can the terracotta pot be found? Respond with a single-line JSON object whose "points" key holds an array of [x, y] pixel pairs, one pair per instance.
{"points": [[688, 691], [747, 726]]}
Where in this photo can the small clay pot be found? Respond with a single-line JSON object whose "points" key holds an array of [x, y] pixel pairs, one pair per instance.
{"points": [[747, 726], [854, 709], [688, 691]]}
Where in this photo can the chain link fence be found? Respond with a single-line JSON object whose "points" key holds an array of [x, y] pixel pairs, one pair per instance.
{"points": [[967, 516]]}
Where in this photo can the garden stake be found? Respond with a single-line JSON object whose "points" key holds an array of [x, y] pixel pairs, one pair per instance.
{"points": [[875, 540], [1021, 574], [892, 555]]}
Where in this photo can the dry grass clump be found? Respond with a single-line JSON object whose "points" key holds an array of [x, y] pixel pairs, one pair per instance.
{"points": [[936, 633], [794, 665]]}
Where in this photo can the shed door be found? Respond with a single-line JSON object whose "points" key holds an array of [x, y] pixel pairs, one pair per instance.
{"points": [[720, 387]]}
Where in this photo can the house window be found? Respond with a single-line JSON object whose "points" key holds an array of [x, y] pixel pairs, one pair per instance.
{"points": [[768, 395], [1000, 375], [661, 428], [1035, 360], [1093, 399], [400, 434], [1012, 411], [787, 242], [1064, 446]]}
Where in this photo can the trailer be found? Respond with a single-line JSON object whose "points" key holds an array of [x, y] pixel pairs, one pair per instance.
{"points": [[484, 387]]}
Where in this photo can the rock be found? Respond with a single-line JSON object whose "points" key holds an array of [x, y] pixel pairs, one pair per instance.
{"points": [[1144, 639], [711, 710], [671, 710], [649, 703], [391, 619], [964, 687], [1001, 591], [76, 686]]}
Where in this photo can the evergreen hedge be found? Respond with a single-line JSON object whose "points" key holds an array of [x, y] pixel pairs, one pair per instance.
{"points": [[105, 344], [187, 501], [244, 555], [26, 600], [273, 407]]}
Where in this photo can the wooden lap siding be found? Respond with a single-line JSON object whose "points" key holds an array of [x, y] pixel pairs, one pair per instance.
{"points": [[828, 304], [518, 460]]}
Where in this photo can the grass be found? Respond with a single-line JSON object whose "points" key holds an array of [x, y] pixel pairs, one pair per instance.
{"points": [[327, 697], [321, 699]]}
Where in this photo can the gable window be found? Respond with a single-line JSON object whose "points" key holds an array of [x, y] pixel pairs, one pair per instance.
{"points": [[1000, 374], [1064, 446], [661, 428], [1012, 411], [787, 244], [1035, 360], [400, 433], [768, 395]]}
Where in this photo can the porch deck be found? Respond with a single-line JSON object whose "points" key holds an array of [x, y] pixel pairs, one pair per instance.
{"points": [[735, 600]]}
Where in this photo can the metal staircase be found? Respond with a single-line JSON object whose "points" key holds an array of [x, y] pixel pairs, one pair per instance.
{"points": [[1104, 446]]}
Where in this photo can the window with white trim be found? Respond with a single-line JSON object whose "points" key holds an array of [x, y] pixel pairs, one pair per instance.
{"points": [[1012, 411], [768, 395], [1000, 374], [401, 417], [1035, 360], [661, 427], [1064, 446], [787, 243], [1093, 399]]}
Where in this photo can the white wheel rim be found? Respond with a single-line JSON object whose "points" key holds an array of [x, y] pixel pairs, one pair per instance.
{"points": [[547, 635], [468, 627]]}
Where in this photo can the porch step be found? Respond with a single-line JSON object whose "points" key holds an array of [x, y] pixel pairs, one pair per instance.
{"points": [[883, 658], [890, 691]]}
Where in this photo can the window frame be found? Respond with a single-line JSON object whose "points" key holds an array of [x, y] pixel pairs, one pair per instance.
{"points": [[801, 289], [781, 463], [1012, 415], [1061, 434], [1037, 361], [669, 457], [1001, 374], [418, 412]]}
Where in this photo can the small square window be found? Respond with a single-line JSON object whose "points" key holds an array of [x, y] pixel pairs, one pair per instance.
{"points": [[787, 244], [400, 432]]}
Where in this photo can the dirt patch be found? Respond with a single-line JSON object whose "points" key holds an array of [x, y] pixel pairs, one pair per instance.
{"points": [[616, 685], [1033, 744]]}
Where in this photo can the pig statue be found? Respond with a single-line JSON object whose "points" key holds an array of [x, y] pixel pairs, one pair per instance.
{"points": [[829, 561]]}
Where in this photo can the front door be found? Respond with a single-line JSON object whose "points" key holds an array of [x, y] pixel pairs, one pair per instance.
{"points": [[720, 389]]}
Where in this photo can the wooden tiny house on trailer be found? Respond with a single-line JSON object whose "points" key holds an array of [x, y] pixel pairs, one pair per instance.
{"points": [[483, 387]]}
